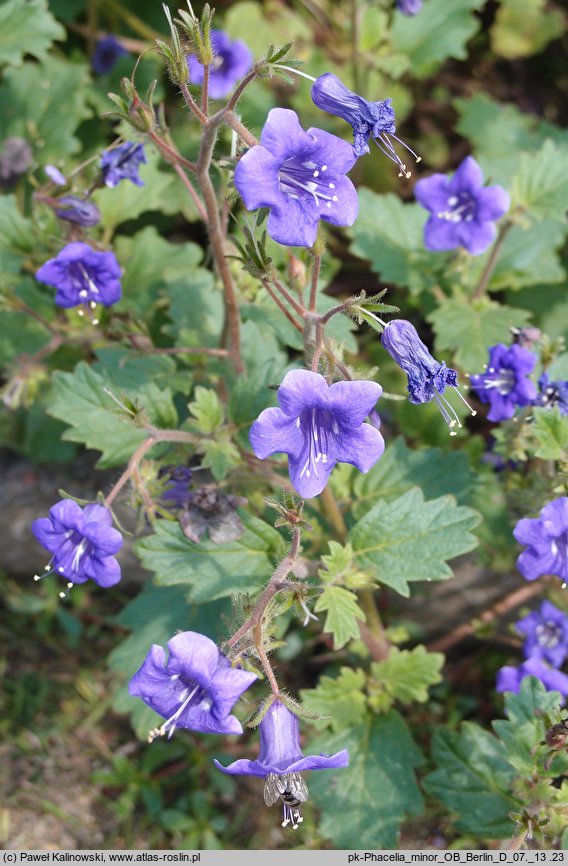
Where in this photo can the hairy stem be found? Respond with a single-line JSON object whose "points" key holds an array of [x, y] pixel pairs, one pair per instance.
{"points": [[492, 261], [192, 104], [281, 306], [287, 296], [192, 192], [231, 118], [314, 285], [231, 104], [205, 91]]}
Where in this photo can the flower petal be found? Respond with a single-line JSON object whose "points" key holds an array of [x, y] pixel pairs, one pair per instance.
{"points": [[361, 448], [294, 222], [227, 686], [492, 203], [307, 478], [302, 390], [476, 236], [432, 192], [274, 432], [283, 135], [104, 571], [441, 235], [193, 655], [335, 153], [467, 178], [106, 540], [351, 402], [256, 178], [555, 516]]}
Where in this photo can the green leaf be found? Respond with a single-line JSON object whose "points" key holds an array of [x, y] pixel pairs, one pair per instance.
{"points": [[541, 183], [340, 700], [409, 539], [79, 399], [209, 570], [474, 780], [436, 472], [406, 675], [16, 232], [442, 32], [364, 804], [525, 27], [45, 103], [528, 257], [207, 410], [390, 235], [550, 429], [468, 328], [343, 614], [26, 27], [220, 458], [259, 26]]}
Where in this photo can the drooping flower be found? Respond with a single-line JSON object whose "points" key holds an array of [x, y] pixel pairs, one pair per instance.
{"points": [[318, 426], [546, 538], [463, 211], [15, 158], [211, 511], [82, 275], [281, 762], [409, 7], [176, 493], [83, 543], [231, 62], [509, 678], [107, 52], [300, 176], [427, 378], [546, 632], [77, 210], [551, 394], [505, 383], [195, 688], [122, 164], [55, 175], [370, 120]]}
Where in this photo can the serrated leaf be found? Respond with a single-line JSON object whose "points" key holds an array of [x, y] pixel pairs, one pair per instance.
{"points": [[442, 31], [474, 780], [364, 804], [436, 472], [343, 614], [529, 257], [207, 410], [211, 570], [26, 27], [408, 539], [541, 183], [220, 458], [550, 429], [469, 328], [341, 700], [406, 675], [525, 27]]}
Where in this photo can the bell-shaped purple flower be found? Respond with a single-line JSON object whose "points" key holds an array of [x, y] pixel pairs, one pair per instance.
{"points": [[281, 762], [505, 383], [195, 688], [546, 538], [317, 426], [300, 176], [370, 120], [83, 543], [463, 211], [231, 62], [546, 633], [82, 275], [409, 7], [427, 378], [77, 210], [551, 394], [107, 52], [509, 678], [122, 164]]}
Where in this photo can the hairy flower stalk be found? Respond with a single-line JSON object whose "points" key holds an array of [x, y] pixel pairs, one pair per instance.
{"points": [[232, 60]]}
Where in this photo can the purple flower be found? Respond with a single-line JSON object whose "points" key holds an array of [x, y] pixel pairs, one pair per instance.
{"points": [[55, 176], [318, 426], [370, 120], [281, 762], [427, 378], [15, 158], [300, 176], [83, 543], [546, 632], [546, 538], [77, 210], [107, 51], [552, 394], [509, 678], [409, 7], [176, 493], [195, 688], [122, 164], [463, 211], [505, 383], [82, 275], [231, 62]]}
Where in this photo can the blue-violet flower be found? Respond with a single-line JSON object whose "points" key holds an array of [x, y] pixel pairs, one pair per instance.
{"points": [[463, 211], [83, 543], [409, 7], [546, 632], [55, 175], [16, 157], [546, 538], [300, 176], [427, 378], [107, 52], [122, 164], [370, 120], [318, 426], [281, 762], [509, 678], [551, 394], [505, 383], [231, 62], [77, 210], [195, 688], [82, 275]]}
